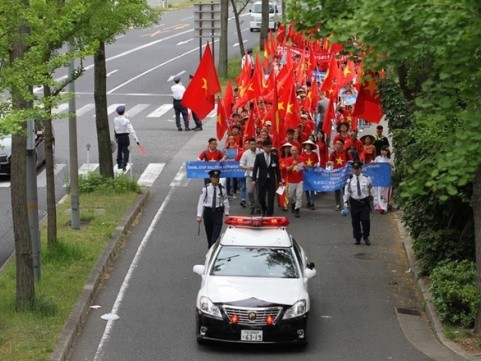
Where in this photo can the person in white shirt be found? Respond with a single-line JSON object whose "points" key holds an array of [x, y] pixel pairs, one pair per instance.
{"points": [[178, 91], [212, 206], [357, 193], [247, 163], [122, 129], [248, 59]]}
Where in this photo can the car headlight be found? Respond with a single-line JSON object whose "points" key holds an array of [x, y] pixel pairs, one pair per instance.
{"points": [[209, 308], [297, 310]]}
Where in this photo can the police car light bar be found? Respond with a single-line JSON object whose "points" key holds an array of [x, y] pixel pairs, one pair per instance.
{"points": [[258, 222]]}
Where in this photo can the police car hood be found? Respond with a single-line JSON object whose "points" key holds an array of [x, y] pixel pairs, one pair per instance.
{"points": [[284, 291]]}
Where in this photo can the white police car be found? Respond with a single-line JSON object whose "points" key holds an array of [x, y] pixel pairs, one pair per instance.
{"points": [[254, 285]]}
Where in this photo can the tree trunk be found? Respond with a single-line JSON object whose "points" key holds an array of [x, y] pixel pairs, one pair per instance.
{"points": [[476, 205], [224, 11], [264, 24], [106, 167], [25, 296], [49, 169], [238, 28]]}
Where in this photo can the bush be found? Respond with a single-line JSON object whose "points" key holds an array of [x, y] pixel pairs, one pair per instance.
{"points": [[454, 291], [94, 182], [434, 246]]}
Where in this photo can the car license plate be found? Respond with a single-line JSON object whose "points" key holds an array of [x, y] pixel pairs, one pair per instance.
{"points": [[251, 335]]}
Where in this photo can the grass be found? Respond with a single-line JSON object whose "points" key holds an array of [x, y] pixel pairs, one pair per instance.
{"points": [[32, 335]]}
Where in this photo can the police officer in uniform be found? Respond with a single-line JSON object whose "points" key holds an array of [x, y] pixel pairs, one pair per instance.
{"points": [[357, 193], [212, 206], [178, 91], [122, 129]]}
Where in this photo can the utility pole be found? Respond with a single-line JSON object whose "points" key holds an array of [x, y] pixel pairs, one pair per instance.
{"points": [[32, 198], [72, 136]]}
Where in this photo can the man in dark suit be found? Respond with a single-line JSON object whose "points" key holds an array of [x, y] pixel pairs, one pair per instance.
{"points": [[265, 176]]}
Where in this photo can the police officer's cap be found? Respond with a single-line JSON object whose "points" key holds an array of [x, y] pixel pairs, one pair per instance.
{"points": [[356, 165], [120, 109], [214, 173], [177, 78]]}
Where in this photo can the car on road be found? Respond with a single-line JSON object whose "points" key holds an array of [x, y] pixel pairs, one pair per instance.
{"points": [[6, 149], [256, 16], [254, 286]]}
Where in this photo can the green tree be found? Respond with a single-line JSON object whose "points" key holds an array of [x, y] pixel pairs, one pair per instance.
{"points": [[402, 36]]}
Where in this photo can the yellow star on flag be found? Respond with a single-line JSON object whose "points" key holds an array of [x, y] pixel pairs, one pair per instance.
{"points": [[339, 160], [309, 162]]}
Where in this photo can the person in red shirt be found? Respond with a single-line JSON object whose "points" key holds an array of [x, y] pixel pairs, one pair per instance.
{"points": [[354, 146], [290, 138], [369, 150], [311, 159], [211, 154], [342, 132], [295, 180], [323, 148], [338, 159], [284, 154]]}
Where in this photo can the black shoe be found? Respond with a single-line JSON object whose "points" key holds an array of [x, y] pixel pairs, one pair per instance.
{"points": [[243, 204], [197, 128], [297, 213], [187, 129], [179, 129], [293, 207], [366, 241], [358, 242]]}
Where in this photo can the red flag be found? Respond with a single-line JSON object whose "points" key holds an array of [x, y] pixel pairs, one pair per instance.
{"points": [[368, 103], [228, 100], [249, 129], [281, 33], [200, 93], [347, 74], [330, 85], [279, 130], [221, 125], [313, 96], [327, 122]]}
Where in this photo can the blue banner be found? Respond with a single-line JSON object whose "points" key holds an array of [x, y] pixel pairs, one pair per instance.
{"points": [[230, 153], [322, 180], [380, 174], [200, 169]]}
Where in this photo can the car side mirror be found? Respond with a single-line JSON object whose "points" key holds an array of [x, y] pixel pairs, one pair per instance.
{"points": [[310, 273], [310, 265], [199, 269]]}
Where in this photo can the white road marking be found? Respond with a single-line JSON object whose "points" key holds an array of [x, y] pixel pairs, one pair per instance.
{"points": [[5, 184], [184, 42], [180, 179], [152, 69], [157, 113], [128, 276], [60, 108], [112, 72], [132, 112], [85, 109], [42, 177], [87, 168], [150, 174]]}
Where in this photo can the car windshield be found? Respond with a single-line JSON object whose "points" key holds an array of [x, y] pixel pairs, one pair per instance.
{"points": [[255, 262]]}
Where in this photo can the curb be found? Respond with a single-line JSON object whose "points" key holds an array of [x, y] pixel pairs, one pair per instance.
{"points": [[77, 316], [423, 287]]}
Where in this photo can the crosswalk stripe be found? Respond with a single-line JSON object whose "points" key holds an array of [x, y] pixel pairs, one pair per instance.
{"points": [[164, 108], [150, 174], [60, 108], [132, 112], [5, 184], [87, 168], [85, 109], [42, 177]]}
